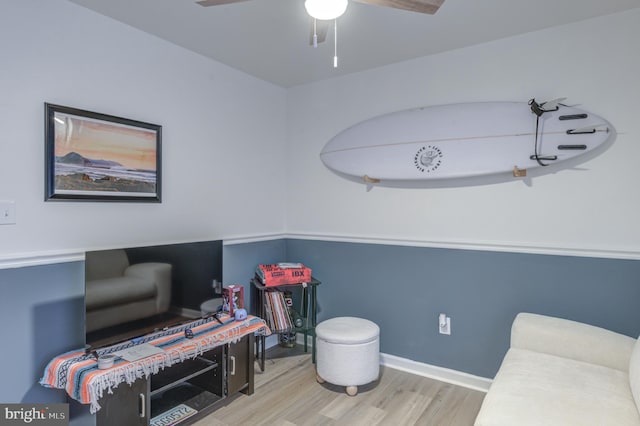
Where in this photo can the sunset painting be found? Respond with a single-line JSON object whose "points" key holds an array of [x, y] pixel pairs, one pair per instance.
{"points": [[101, 157]]}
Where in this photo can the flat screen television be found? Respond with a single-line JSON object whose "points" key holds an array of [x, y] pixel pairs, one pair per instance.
{"points": [[131, 292]]}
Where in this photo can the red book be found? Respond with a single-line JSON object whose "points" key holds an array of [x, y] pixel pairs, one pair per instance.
{"points": [[273, 275]]}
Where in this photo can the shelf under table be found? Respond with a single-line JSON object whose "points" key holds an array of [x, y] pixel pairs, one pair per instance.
{"points": [[175, 375]]}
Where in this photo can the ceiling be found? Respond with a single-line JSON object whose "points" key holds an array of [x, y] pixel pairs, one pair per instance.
{"points": [[270, 38]]}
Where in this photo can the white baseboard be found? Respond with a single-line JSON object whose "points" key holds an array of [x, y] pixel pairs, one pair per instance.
{"points": [[446, 375], [271, 341]]}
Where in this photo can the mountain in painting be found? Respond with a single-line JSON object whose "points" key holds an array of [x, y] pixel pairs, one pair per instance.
{"points": [[77, 159]]}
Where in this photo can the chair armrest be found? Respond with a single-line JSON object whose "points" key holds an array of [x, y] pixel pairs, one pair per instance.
{"points": [[160, 275], [573, 340]]}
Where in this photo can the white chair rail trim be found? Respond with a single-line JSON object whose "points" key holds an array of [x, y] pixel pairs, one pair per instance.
{"points": [[19, 260]]}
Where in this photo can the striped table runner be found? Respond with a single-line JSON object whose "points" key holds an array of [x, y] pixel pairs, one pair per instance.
{"points": [[78, 373]]}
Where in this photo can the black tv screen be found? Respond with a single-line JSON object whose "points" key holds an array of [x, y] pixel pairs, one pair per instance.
{"points": [[131, 292]]}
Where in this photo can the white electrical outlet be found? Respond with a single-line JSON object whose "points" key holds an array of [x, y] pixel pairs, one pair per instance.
{"points": [[444, 324], [7, 212]]}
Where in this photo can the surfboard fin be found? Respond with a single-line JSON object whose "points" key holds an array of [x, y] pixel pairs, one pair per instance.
{"points": [[572, 117], [552, 105], [540, 108], [543, 157], [586, 130]]}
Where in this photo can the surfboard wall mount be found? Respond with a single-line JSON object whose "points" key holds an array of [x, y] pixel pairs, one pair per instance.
{"points": [[519, 172]]}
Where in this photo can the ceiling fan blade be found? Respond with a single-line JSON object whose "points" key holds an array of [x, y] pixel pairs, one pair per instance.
{"points": [[423, 6], [321, 30], [207, 3]]}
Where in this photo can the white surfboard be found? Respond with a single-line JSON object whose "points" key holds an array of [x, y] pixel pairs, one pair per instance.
{"points": [[463, 141]]}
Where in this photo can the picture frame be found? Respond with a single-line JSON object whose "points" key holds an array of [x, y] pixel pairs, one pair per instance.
{"points": [[91, 156]]}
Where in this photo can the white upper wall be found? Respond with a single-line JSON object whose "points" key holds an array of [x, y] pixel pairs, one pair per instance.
{"points": [[595, 207], [223, 132], [225, 135]]}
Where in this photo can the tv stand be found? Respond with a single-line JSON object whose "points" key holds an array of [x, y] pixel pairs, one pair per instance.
{"points": [[200, 384], [199, 372]]}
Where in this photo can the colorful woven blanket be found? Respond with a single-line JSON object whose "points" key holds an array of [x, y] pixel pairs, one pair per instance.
{"points": [[78, 373]]}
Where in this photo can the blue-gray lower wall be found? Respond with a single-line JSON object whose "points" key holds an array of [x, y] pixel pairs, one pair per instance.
{"points": [[403, 289], [42, 315]]}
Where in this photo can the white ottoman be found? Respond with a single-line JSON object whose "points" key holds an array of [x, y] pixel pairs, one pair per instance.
{"points": [[347, 352]]}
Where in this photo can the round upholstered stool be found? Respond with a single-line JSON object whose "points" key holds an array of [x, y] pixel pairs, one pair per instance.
{"points": [[347, 352]]}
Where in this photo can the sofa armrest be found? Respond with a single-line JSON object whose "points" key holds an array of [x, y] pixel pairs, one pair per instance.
{"points": [[573, 340], [160, 275]]}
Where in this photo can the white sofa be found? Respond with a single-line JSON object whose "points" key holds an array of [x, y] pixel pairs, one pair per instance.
{"points": [[563, 373], [116, 292]]}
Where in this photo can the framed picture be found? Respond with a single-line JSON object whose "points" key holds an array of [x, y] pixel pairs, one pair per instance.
{"points": [[97, 157]]}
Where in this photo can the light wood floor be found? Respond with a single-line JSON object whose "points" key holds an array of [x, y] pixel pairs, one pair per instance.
{"points": [[287, 394]]}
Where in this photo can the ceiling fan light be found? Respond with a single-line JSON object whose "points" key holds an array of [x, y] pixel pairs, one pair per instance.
{"points": [[325, 10]]}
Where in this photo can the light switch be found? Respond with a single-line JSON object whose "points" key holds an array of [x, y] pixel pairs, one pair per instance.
{"points": [[7, 212]]}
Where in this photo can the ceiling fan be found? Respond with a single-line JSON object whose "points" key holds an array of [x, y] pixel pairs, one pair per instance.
{"points": [[320, 25]]}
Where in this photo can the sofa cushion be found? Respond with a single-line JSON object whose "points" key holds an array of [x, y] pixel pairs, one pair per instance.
{"points": [[105, 264], [634, 373], [571, 339], [533, 388], [117, 291]]}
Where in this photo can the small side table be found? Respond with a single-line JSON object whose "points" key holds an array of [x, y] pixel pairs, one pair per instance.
{"points": [[309, 311]]}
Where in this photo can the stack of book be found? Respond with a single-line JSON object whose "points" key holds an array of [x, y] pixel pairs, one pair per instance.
{"points": [[283, 274], [276, 312]]}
